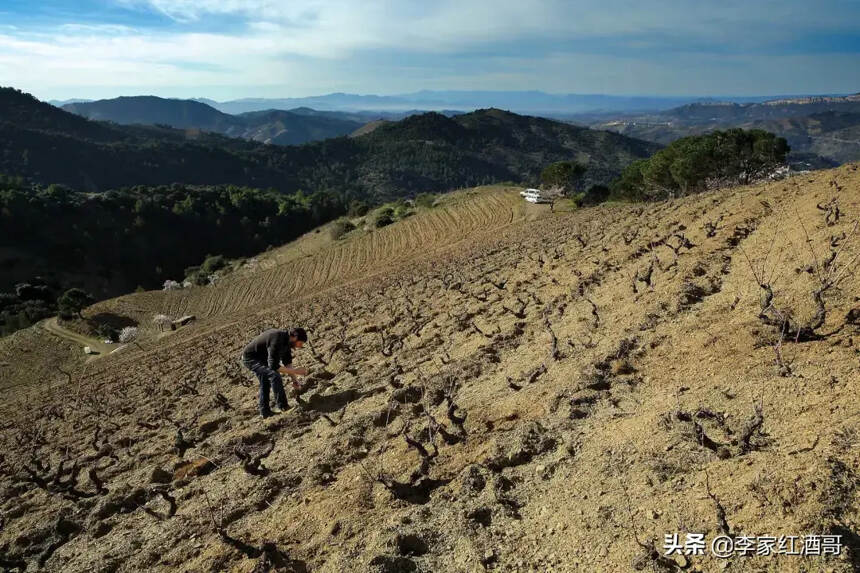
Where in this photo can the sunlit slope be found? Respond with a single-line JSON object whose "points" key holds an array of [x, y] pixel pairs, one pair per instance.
{"points": [[315, 262], [553, 394]]}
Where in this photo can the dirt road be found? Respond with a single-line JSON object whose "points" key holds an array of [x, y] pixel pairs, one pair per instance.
{"points": [[53, 326]]}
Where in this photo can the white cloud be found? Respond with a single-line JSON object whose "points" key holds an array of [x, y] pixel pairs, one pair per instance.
{"points": [[302, 47], [463, 22], [101, 29]]}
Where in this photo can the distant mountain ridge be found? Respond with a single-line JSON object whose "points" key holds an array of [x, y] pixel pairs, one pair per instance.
{"points": [[524, 102], [532, 102], [153, 110], [771, 109], [815, 99], [271, 126], [62, 102], [428, 152], [529, 102]]}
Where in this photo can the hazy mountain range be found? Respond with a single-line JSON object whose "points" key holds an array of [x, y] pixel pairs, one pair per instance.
{"points": [[271, 126], [535, 102], [531, 102], [822, 131]]}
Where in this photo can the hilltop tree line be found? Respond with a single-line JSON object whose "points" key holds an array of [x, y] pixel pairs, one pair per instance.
{"points": [[696, 163], [688, 165]]}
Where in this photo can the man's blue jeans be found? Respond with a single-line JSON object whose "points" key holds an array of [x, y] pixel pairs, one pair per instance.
{"points": [[267, 377]]}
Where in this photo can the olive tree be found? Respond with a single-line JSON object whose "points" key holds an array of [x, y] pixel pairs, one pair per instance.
{"points": [[72, 302]]}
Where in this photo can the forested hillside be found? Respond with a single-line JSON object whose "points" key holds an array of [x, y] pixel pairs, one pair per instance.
{"points": [[405, 158], [113, 242]]}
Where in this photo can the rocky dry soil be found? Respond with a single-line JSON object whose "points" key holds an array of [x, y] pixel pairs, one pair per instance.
{"points": [[553, 392]]}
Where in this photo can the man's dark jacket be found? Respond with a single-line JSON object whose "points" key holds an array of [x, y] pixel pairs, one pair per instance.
{"points": [[271, 347]]}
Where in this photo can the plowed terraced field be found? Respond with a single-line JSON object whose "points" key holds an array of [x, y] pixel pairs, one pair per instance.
{"points": [[293, 271], [492, 388]]}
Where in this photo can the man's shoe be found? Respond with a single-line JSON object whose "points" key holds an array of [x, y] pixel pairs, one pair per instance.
{"points": [[265, 415], [282, 408]]}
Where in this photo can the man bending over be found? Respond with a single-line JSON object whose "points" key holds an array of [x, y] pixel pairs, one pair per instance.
{"points": [[264, 354]]}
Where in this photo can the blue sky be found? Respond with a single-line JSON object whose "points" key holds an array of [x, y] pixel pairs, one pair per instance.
{"points": [[226, 49]]}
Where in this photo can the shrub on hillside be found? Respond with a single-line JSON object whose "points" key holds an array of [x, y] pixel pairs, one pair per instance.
{"points": [[357, 209], [340, 228], [195, 276], [383, 217], [208, 272], [213, 263], [107, 332], [402, 210], [425, 200]]}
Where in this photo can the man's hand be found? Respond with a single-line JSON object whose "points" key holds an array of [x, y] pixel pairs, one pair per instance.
{"points": [[290, 371], [297, 386]]}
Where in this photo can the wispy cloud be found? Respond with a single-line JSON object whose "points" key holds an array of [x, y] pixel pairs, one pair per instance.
{"points": [[97, 29], [301, 47], [193, 10]]}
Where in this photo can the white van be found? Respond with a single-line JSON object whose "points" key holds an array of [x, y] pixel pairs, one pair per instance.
{"points": [[534, 196]]}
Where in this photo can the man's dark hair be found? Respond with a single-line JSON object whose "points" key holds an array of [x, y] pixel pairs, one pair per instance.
{"points": [[299, 333]]}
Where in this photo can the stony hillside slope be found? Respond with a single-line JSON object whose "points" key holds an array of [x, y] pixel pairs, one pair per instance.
{"points": [[552, 394]]}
